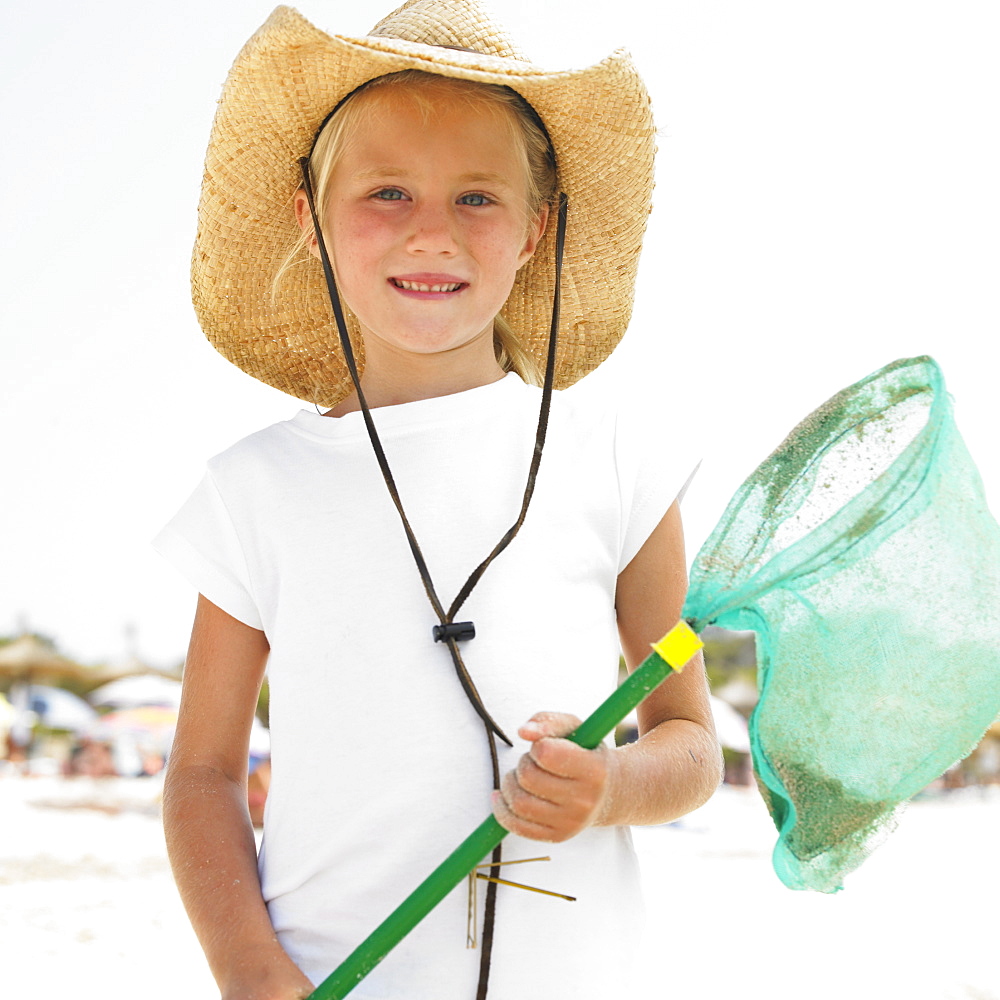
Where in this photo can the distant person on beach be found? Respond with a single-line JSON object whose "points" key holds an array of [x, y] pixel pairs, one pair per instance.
{"points": [[91, 759], [329, 548]]}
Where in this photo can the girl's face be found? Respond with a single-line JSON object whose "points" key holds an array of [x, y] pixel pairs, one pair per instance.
{"points": [[427, 223]]}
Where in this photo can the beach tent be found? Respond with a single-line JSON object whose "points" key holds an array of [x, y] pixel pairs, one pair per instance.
{"points": [[136, 691]]}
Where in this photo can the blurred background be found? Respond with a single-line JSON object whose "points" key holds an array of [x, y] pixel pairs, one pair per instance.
{"points": [[826, 202]]}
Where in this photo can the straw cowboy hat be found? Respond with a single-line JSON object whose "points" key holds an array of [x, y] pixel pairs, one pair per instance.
{"points": [[282, 86]]}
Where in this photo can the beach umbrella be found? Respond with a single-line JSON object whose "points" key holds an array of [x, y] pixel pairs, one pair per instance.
{"points": [[863, 555], [148, 726], [730, 726], [739, 693], [58, 709], [136, 691]]}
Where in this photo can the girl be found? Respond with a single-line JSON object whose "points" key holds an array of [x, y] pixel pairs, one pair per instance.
{"points": [[451, 188]]}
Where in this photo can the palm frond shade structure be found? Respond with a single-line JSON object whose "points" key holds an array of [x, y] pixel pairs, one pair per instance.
{"points": [[864, 556]]}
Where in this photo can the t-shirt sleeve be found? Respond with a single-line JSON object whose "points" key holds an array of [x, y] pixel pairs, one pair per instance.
{"points": [[202, 543], [655, 465]]}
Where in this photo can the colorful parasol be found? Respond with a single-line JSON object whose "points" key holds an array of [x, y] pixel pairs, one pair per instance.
{"points": [[150, 726]]}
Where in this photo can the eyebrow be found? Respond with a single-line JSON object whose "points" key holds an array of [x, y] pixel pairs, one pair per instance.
{"points": [[390, 173]]}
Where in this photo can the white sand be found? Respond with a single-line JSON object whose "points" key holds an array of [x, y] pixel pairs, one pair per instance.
{"points": [[918, 921], [88, 909]]}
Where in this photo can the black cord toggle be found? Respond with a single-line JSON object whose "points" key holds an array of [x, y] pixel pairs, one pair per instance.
{"points": [[455, 630]]}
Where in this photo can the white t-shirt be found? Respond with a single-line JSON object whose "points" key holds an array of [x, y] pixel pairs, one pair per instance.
{"points": [[380, 764]]}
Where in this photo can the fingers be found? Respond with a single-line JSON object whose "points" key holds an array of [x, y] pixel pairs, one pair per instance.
{"points": [[544, 724], [522, 826], [559, 759], [555, 809], [557, 788]]}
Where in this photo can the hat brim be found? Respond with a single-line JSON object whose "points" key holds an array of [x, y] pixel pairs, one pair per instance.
{"points": [[282, 86]]}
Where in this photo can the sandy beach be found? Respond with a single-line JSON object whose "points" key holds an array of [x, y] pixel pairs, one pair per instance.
{"points": [[88, 908]]}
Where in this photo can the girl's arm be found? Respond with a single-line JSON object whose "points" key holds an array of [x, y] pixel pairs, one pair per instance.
{"points": [[209, 835], [559, 789]]}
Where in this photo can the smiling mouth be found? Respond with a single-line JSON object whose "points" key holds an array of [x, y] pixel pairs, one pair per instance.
{"points": [[420, 286]]}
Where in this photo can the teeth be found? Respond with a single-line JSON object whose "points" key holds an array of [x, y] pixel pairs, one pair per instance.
{"points": [[418, 286]]}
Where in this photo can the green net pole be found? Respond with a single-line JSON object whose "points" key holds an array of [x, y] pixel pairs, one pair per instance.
{"points": [[650, 674]]}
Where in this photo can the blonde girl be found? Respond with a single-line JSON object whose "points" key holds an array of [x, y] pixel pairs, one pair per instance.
{"points": [[444, 551]]}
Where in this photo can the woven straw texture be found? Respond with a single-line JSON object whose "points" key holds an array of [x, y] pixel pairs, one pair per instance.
{"points": [[281, 87]]}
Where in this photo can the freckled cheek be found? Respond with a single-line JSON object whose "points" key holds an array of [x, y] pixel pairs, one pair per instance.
{"points": [[501, 247], [361, 245], [365, 233]]}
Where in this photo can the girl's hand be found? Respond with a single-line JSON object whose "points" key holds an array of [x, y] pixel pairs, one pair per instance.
{"points": [[557, 788]]}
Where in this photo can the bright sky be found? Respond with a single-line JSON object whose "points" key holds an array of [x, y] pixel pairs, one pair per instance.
{"points": [[826, 201]]}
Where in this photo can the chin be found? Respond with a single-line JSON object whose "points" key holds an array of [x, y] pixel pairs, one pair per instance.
{"points": [[435, 342]]}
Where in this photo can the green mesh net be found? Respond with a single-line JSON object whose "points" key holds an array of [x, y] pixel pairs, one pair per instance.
{"points": [[863, 555]]}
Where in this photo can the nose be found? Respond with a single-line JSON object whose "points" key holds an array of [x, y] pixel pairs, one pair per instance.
{"points": [[433, 229]]}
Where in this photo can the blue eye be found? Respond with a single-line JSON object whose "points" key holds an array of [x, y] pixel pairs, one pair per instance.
{"points": [[476, 200], [389, 194]]}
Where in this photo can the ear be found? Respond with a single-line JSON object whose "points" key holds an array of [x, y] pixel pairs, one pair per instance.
{"points": [[536, 229], [304, 218]]}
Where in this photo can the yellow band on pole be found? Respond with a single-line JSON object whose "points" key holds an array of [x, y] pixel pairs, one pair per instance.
{"points": [[678, 645]]}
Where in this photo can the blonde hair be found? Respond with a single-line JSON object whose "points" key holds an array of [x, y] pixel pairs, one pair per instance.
{"points": [[526, 130]]}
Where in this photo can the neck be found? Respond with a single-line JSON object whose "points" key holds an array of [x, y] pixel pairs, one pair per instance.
{"points": [[391, 377]]}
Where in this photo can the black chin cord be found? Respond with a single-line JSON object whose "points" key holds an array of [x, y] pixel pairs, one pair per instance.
{"points": [[448, 630]]}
